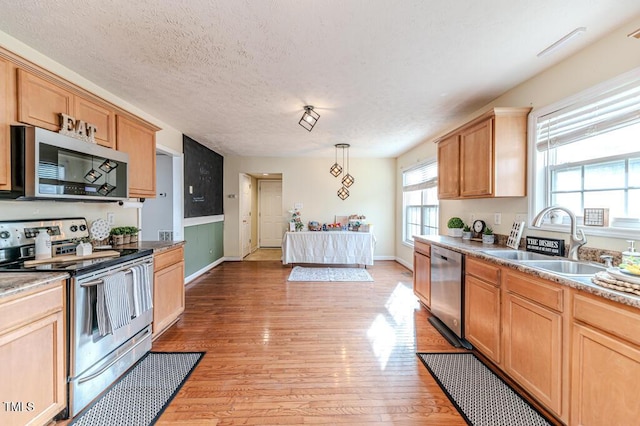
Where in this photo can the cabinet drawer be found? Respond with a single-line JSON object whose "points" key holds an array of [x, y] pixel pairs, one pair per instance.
{"points": [[29, 308], [618, 320], [483, 270], [536, 289], [167, 258], [422, 248]]}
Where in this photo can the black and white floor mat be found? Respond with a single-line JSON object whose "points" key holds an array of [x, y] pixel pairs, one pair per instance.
{"points": [[142, 394], [481, 397]]}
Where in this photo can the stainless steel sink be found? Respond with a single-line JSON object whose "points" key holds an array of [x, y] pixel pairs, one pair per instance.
{"points": [[516, 255], [564, 267]]}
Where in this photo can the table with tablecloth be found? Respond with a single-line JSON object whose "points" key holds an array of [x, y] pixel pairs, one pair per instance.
{"points": [[330, 247]]}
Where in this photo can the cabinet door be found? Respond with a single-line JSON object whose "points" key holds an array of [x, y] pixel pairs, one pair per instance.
{"points": [[476, 160], [604, 385], [449, 168], [168, 296], [482, 317], [422, 278], [5, 121], [40, 102], [533, 349], [100, 116], [140, 143]]}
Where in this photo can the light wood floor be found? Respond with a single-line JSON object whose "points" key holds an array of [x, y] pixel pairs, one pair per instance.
{"points": [[265, 254], [298, 353]]}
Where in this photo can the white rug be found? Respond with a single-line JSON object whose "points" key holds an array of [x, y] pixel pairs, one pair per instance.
{"points": [[300, 273]]}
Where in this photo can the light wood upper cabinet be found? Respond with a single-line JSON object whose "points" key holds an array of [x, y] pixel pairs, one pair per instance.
{"points": [[5, 122], [534, 335], [491, 157], [139, 141], [482, 308], [168, 289], [40, 101], [605, 368], [449, 162], [422, 272], [32, 356], [101, 116]]}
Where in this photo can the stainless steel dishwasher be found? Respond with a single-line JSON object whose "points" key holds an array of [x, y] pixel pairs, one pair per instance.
{"points": [[447, 295]]}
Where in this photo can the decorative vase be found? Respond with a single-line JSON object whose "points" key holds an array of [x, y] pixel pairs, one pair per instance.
{"points": [[466, 235], [455, 232], [488, 239], [118, 240]]}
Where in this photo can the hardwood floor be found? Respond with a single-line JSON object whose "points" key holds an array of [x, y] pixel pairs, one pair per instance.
{"points": [[298, 353]]}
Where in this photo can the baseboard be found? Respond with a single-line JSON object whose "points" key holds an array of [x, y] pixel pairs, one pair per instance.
{"points": [[196, 274], [384, 258], [404, 263]]}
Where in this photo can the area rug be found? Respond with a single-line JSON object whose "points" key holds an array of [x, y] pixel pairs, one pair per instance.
{"points": [[300, 273], [143, 393], [481, 397]]}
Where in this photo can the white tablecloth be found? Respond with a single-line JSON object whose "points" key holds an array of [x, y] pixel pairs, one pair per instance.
{"points": [[334, 247]]}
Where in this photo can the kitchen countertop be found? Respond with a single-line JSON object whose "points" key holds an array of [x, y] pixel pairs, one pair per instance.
{"points": [[473, 249], [12, 283], [156, 246]]}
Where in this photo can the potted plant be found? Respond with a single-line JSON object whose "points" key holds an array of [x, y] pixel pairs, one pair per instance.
{"points": [[117, 236], [466, 232], [487, 236], [455, 225], [133, 233]]}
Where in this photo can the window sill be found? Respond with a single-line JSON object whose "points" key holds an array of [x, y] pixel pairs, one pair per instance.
{"points": [[621, 233]]}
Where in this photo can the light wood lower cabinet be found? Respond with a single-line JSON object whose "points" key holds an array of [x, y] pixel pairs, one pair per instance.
{"points": [[535, 335], [422, 272], [482, 308], [168, 289], [605, 370], [32, 357]]}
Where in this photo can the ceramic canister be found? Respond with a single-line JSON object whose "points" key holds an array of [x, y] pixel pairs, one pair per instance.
{"points": [[43, 245]]}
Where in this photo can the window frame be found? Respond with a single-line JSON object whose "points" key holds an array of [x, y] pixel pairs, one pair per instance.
{"points": [[538, 185], [429, 184]]}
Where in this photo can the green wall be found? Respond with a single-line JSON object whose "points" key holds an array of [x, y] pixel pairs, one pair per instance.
{"points": [[204, 245]]}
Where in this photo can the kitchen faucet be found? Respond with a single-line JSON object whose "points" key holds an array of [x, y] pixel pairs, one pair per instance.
{"points": [[578, 238]]}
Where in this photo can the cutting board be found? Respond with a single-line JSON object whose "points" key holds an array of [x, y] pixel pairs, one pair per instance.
{"points": [[72, 258]]}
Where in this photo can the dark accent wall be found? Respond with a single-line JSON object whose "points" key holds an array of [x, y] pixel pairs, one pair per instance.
{"points": [[203, 169]]}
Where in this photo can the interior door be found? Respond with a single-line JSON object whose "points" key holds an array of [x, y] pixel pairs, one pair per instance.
{"points": [[271, 224], [245, 214]]}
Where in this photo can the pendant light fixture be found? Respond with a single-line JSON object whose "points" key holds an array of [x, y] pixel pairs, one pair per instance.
{"points": [[309, 118], [336, 170]]}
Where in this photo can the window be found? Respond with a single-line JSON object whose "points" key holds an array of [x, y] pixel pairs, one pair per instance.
{"points": [[587, 154], [420, 201]]}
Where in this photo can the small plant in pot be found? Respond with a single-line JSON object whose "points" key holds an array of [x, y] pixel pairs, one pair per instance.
{"points": [[455, 225], [487, 236], [133, 234], [117, 236], [466, 232]]}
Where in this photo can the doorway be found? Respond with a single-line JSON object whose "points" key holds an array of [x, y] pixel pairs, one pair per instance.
{"points": [[270, 224]]}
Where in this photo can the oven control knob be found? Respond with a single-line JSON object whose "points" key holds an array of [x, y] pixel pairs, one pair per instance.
{"points": [[83, 227], [4, 235], [73, 228]]}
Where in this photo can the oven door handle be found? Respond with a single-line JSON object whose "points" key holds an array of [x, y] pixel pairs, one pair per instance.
{"points": [[106, 367], [99, 280]]}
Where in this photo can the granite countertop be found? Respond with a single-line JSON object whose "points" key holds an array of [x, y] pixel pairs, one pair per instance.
{"points": [[473, 248], [156, 246], [12, 283]]}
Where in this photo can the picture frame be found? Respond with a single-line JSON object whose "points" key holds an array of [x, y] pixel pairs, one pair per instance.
{"points": [[342, 219]]}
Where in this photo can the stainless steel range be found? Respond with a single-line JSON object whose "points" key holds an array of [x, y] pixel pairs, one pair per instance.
{"points": [[95, 358]]}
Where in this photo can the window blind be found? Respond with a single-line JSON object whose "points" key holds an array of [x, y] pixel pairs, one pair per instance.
{"points": [[420, 177], [611, 110]]}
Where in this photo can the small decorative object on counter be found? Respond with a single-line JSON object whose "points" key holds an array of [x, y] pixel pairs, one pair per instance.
{"points": [[84, 249], [355, 221], [631, 260], [117, 236], [132, 231], [487, 236], [466, 232], [455, 225], [296, 219], [314, 226]]}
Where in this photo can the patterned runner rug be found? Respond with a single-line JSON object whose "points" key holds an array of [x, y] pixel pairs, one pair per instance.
{"points": [[480, 396], [300, 273], [142, 394]]}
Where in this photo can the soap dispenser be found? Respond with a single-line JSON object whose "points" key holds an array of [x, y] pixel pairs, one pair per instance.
{"points": [[630, 257]]}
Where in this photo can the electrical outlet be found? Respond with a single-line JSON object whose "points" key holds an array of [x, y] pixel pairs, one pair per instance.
{"points": [[111, 218], [497, 218]]}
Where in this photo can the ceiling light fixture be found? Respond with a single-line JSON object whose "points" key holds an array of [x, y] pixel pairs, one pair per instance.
{"points": [[309, 118], [563, 41], [635, 34], [336, 170]]}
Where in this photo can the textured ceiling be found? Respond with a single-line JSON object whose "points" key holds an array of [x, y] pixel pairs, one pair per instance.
{"points": [[235, 74]]}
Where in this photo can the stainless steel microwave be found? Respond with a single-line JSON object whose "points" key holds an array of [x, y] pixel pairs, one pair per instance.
{"points": [[48, 165]]}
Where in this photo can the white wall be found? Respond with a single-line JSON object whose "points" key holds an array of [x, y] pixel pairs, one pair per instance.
{"points": [[157, 213], [307, 181], [613, 55]]}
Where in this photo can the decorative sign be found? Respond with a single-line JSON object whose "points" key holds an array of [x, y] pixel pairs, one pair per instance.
{"points": [[77, 128], [548, 246]]}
